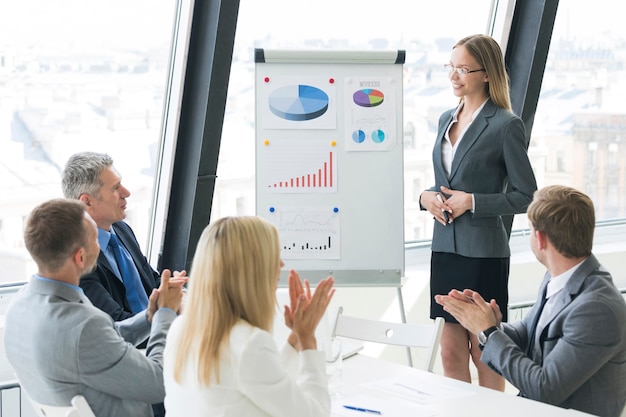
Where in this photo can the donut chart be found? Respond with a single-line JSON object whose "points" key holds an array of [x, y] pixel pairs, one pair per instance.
{"points": [[298, 102], [368, 97]]}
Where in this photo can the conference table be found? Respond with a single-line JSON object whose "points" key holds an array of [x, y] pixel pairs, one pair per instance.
{"points": [[390, 389]]}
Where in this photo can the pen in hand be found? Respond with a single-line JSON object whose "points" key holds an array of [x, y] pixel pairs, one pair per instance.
{"points": [[445, 213], [363, 410]]}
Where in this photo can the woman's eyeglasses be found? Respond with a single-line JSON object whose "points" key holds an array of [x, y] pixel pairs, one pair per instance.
{"points": [[460, 71]]}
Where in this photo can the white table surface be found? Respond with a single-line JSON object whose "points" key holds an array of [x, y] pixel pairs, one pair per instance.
{"points": [[380, 385]]}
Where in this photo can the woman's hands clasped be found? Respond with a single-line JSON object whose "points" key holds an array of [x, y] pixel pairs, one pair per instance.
{"points": [[306, 309], [446, 205]]}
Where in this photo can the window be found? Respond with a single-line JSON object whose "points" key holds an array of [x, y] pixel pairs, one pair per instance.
{"points": [[78, 76], [580, 113]]}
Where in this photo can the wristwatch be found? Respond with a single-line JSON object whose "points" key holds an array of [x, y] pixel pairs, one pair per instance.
{"points": [[484, 335]]}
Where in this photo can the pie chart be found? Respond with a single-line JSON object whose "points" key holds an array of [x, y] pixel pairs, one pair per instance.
{"points": [[378, 136], [358, 136], [368, 97], [298, 102]]}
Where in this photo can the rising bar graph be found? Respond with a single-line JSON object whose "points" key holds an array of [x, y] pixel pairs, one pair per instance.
{"points": [[322, 178], [294, 167]]}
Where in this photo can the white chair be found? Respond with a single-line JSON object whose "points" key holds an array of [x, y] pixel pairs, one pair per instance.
{"points": [[398, 334], [79, 408]]}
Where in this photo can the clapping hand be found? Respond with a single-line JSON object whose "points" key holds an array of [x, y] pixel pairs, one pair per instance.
{"points": [[168, 295], [306, 309], [470, 309]]}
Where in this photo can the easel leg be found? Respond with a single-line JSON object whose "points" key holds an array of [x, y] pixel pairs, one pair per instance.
{"points": [[403, 318]]}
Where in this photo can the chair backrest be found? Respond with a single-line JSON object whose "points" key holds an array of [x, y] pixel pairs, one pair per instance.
{"points": [[79, 408], [399, 334]]}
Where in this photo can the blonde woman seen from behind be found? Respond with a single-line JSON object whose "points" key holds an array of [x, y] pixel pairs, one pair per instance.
{"points": [[220, 357]]}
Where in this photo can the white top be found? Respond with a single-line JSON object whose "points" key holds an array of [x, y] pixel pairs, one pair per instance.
{"points": [[447, 149], [255, 380]]}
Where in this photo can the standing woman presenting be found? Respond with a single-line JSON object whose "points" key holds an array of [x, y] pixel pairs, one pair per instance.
{"points": [[480, 148], [220, 358]]}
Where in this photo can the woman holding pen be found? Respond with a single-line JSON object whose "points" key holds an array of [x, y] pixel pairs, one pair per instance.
{"points": [[482, 173]]}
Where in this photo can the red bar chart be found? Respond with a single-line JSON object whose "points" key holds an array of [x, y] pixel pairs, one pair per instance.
{"points": [[321, 178], [294, 167]]}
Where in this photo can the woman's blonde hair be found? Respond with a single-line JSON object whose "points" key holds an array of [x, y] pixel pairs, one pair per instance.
{"points": [[233, 276], [486, 51]]}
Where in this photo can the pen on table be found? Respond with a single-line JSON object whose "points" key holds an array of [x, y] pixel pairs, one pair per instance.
{"points": [[363, 410], [445, 213]]}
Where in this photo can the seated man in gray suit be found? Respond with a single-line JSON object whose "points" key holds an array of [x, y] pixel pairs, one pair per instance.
{"points": [[570, 350], [60, 345]]}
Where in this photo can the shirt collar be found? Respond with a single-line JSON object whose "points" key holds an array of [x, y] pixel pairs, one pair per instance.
{"points": [[460, 106], [558, 282], [103, 238], [74, 287]]}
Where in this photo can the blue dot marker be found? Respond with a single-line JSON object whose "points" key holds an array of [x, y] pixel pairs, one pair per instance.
{"points": [[272, 209]]}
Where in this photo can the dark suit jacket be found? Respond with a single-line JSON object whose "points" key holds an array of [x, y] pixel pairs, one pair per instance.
{"points": [[579, 359], [492, 154], [104, 288]]}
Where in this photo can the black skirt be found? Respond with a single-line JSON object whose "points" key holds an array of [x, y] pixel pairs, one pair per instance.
{"points": [[488, 276]]}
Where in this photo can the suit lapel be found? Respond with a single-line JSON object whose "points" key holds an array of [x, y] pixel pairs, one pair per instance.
{"points": [[569, 293], [563, 298], [440, 172], [472, 135], [102, 260]]}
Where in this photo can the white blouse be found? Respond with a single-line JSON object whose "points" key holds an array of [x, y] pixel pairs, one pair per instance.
{"points": [[255, 380], [447, 149]]}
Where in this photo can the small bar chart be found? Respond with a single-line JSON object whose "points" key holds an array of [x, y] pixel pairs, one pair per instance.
{"points": [[292, 169], [320, 178], [308, 233], [309, 245]]}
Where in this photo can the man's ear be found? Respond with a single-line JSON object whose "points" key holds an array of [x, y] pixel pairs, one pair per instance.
{"points": [[84, 197], [542, 239], [79, 257]]}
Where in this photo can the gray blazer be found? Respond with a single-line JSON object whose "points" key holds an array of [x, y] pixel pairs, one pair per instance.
{"points": [[579, 359], [492, 154], [60, 345]]}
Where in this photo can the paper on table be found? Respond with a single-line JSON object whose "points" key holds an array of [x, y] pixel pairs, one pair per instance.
{"points": [[415, 392], [388, 407]]}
